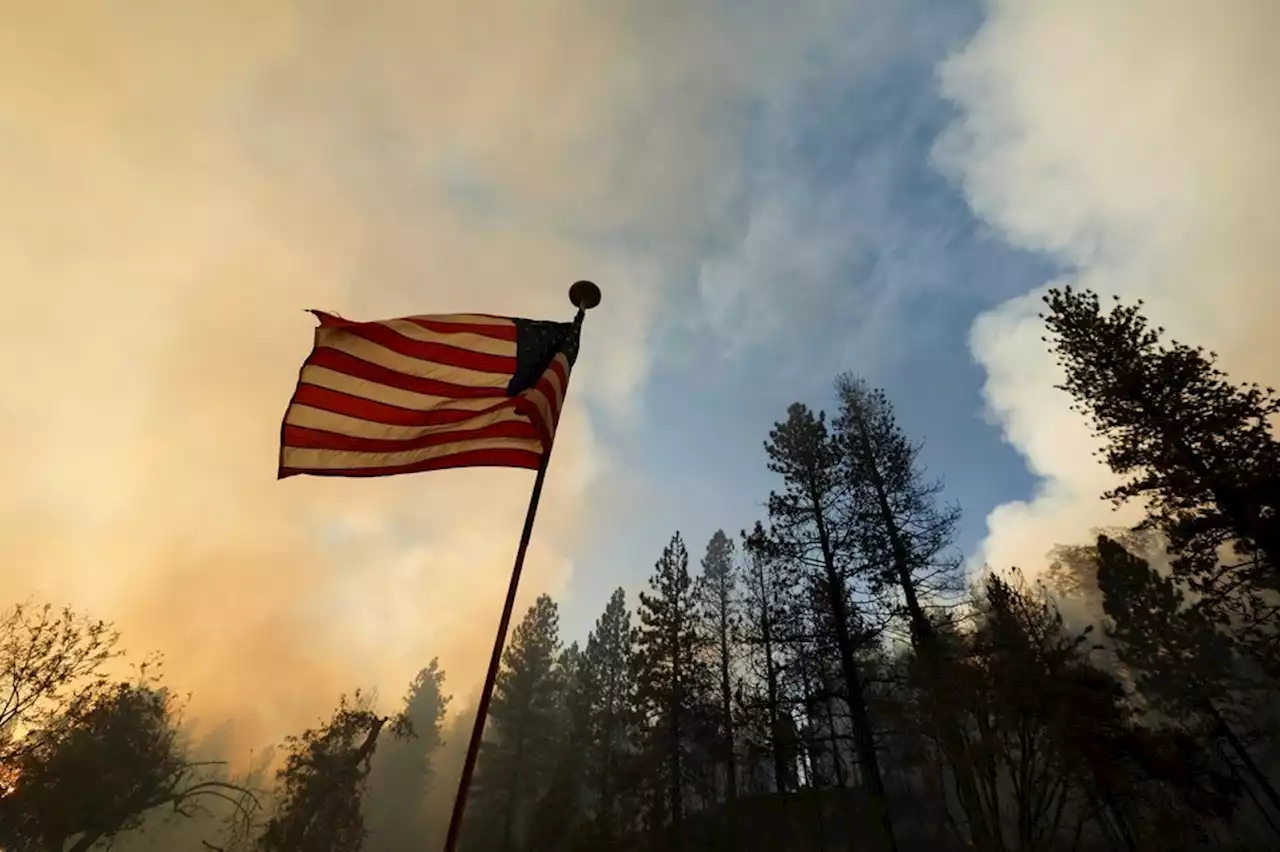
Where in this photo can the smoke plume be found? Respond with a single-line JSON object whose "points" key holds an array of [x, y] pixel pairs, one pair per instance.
{"points": [[1135, 142]]}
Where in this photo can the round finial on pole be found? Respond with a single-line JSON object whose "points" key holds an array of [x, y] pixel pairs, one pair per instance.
{"points": [[585, 295]]}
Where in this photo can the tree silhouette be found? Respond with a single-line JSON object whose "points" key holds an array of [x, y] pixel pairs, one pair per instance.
{"points": [[558, 813], [672, 684], [609, 691], [1195, 448], [1180, 660], [762, 632], [901, 529], [716, 592], [100, 776], [51, 673], [403, 768], [322, 783], [518, 756], [806, 518], [906, 537]]}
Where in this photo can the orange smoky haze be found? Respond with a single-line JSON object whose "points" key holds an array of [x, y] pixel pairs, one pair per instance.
{"points": [[179, 181]]}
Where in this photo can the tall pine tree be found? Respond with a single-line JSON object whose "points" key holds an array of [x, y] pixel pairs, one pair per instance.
{"points": [[558, 814], [718, 608], [900, 526], [672, 679], [1180, 661], [402, 769], [1198, 450], [906, 537], [610, 741], [809, 518], [518, 757], [762, 632]]}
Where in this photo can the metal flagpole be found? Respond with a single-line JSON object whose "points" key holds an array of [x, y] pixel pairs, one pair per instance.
{"points": [[585, 296]]}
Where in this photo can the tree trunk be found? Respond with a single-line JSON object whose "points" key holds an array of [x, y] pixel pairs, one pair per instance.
{"points": [[833, 742], [810, 736], [775, 724], [726, 707], [606, 782], [676, 791], [924, 639], [863, 736], [509, 813], [1268, 789], [772, 698]]}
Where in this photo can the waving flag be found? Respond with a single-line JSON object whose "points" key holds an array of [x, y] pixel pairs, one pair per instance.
{"points": [[427, 393], [432, 392]]}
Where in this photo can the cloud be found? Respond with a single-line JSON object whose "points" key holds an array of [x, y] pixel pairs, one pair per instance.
{"points": [[181, 180], [1135, 143], [830, 222], [787, 252]]}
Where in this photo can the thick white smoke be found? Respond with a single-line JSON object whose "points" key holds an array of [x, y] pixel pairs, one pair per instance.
{"points": [[1136, 142]]}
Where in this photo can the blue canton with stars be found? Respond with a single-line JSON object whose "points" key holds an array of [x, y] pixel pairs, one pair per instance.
{"points": [[537, 342]]}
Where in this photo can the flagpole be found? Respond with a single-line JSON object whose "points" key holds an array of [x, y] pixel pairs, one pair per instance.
{"points": [[584, 295]]}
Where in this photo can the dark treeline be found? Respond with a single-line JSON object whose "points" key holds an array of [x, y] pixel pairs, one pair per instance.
{"points": [[829, 679]]}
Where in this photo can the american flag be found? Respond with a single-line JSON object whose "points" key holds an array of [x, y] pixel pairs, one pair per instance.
{"points": [[427, 393]]}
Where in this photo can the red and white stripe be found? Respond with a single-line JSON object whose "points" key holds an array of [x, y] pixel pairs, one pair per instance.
{"points": [[416, 394]]}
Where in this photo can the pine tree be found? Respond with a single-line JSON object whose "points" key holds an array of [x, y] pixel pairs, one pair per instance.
{"points": [[1073, 568], [1180, 662], [1179, 659], [762, 633], [807, 518], [672, 680], [517, 758], [556, 817], [907, 537], [717, 603], [901, 529], [609, 692], [1016, 674], [402, 769], [322, 783], [1198, 450], [1032, 685]]}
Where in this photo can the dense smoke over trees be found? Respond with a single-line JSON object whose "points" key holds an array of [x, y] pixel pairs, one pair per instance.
{"points": [[831, 679]]}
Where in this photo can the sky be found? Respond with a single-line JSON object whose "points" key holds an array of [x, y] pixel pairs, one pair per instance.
{"points": [[767, 195]]}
